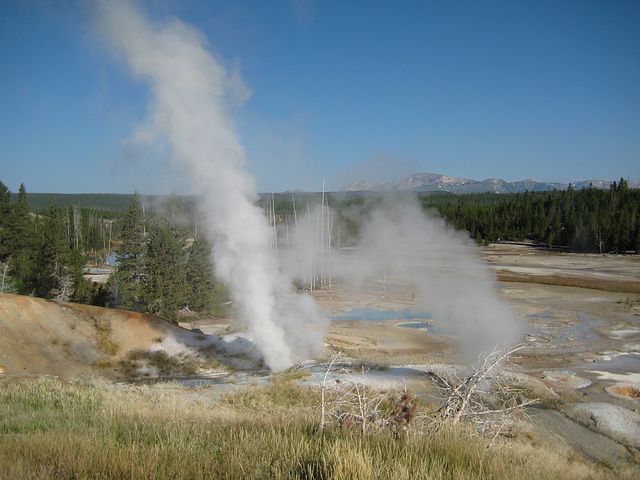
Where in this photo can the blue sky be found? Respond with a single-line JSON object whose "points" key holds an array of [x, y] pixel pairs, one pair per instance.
{"points": [[348, 90]]}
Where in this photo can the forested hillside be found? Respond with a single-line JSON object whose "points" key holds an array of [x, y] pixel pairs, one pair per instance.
{"points": [[587, 220], [162, 262], [162, 266]]}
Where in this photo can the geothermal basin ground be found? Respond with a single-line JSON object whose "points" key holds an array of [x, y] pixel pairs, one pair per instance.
{"points": [[581, 320]]}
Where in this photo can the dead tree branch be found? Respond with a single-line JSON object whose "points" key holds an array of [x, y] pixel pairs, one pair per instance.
{"points": [[469, 398], [481, 397], [355, 406]]}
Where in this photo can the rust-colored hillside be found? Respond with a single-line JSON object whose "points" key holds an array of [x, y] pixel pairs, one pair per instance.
{"points": [[72, 341]]}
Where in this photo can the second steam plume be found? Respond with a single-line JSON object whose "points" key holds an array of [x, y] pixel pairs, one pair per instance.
{"points": [[188, 112], [400, 244]]}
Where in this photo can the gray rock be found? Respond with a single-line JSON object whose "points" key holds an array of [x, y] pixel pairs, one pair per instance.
{"points": [[614, 421]]}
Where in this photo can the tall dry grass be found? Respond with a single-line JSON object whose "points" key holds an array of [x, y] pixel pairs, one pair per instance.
{"points": [[51, 429]]}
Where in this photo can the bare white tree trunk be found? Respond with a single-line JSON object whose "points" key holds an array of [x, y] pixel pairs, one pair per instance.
{"points": [[5, 268], [109, 250], [463, 397]]}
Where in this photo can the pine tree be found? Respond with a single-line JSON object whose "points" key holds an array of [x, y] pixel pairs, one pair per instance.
{"points": [[166, 290], [5, 221], [200, 281], [129, 279], [5, 254], [175, 217], [23, 245], [82, 292], [53, 276]]}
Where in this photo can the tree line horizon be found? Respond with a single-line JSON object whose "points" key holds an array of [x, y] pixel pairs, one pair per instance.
{"points": [[164, 260]]}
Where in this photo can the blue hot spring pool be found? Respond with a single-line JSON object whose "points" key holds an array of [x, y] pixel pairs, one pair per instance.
{"points": [[379, 315], [374, 315], [427, 327]]}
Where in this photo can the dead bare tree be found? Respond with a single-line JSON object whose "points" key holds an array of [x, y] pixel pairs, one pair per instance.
{"points": [[323, 392], [480, 397], [5, 269], [64, 289], [354, 406]]}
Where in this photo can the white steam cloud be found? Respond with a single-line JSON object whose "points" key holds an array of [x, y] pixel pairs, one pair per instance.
{"points": [[400, 244], [191, 92]]}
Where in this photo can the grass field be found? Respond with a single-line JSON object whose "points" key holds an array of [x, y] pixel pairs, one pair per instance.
{"points": [[52, 429]]}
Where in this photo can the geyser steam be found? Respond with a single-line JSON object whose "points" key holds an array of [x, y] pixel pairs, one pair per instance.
{"points": [[191, 90], [452, 282], [399, 244]]}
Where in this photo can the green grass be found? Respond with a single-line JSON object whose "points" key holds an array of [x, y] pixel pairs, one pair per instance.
{"points": [[51, 429]]}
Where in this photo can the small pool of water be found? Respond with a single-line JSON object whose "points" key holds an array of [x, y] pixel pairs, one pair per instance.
{"points": [[632, 317], [585, 328], [419, 325], [623, 363], [372, 314]]}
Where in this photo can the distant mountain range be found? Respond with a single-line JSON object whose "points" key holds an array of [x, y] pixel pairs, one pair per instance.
{"points": [[433, 182]]}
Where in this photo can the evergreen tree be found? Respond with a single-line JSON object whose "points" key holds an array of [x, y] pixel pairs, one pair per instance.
{"points": [[166, 290], [53, 274], [82, 292], [200, 281], [128, 282], [175, 217], [23, 245], [5, 256], [5, 221]]}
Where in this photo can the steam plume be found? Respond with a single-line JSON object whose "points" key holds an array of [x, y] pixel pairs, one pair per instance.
{"points": [[453, 283], [403, 245], [191, 91]]}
